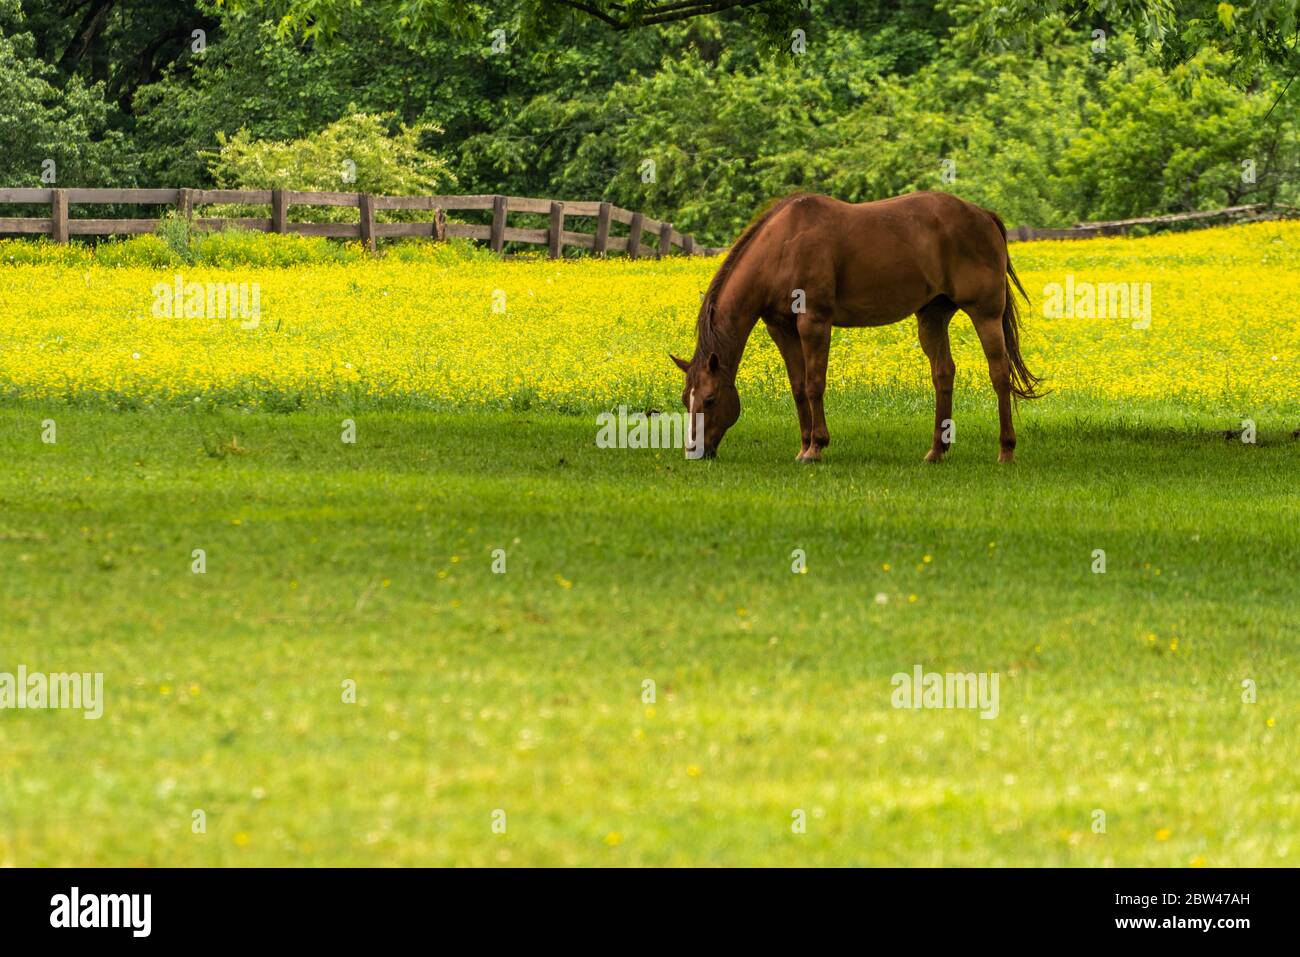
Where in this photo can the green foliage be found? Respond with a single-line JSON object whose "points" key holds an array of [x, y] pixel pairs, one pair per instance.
{"points": [[1032, 119], [41, 122], [1181, 141], [1253, 34], [449, 253], [990, 131], [323, 19], [150, 251], [696, 144], [122, 44], [1066, 134], [231, 247], [42, 252], [147, 251], [280, 91], [355, 153], [174, 229], [239, 247]]}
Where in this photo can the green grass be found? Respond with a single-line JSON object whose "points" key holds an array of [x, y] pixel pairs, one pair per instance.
{"points": [[522, 691]]}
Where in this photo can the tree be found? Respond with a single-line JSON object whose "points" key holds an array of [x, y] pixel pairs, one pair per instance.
{"points": [[1252, 33], [50, 135], [123, 43], [317, 19], [354, 153]]}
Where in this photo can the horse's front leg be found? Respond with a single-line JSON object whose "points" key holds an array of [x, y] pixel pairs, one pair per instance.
{"points": [[932, 330], [787, 343], [815, 338]]}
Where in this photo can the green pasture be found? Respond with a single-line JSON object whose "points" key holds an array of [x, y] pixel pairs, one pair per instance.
{"points": [[525, 691]]}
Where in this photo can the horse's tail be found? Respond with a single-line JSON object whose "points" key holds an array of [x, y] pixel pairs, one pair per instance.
{"points": [[1024, 383]]}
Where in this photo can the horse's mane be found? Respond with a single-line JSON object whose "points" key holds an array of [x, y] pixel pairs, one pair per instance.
{"points": [[707, 337]]}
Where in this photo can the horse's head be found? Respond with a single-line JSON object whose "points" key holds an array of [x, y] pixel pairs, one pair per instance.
{"points": [[711, 392]]}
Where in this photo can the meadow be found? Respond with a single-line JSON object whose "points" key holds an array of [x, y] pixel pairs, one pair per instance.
{"points": [[499, 591], [439, 327]]}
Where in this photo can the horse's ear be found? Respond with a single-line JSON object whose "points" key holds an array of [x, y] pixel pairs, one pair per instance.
{"points": [[681, 363], [714, 363]]}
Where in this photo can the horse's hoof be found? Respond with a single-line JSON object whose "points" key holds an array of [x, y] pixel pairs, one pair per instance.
{"points": [[809, 458], [1006, 457], [933, 456]]}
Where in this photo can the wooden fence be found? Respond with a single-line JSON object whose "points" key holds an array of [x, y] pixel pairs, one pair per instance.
{"points": [[555, 237], [499, 232], [1252, 212]]}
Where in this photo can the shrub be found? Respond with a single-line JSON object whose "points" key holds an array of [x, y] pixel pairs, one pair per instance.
{"points": [[151, 251], [174, 229], [175, 245], [354, 154], [448, 253], [42, 252], [241, 247]]}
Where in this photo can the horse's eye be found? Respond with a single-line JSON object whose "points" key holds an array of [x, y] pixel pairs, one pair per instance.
{"points": [[710, 400]]}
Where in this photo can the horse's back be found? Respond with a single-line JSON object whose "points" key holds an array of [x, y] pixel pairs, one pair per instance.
{"points": [[875, 263]]}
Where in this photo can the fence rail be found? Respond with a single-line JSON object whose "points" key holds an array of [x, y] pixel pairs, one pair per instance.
{"points": [[555, 236], [499, 232], [1251, 212]]}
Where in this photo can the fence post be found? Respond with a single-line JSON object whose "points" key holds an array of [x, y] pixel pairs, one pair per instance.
{"points": [[634, 237], [602, 230], [498, 238], [439, 224], [59, 215], [185, 203], [279, 210], [556, 235], [665, 240], [366, 204], [688, 245]]}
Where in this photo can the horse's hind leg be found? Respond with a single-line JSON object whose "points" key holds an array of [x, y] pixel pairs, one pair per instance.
{"points": [[932, 329], [787, 342], [988, 326]]}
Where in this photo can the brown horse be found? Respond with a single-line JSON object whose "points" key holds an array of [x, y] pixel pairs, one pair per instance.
{"points": [[812, 262]]}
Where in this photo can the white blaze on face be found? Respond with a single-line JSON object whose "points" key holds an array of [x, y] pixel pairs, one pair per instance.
{"points": [[690, 423]]}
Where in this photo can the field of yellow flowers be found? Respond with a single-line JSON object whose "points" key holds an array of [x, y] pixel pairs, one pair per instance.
{"points": [[585, 334]]}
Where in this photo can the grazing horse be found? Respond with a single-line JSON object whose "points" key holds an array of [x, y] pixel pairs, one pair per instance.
{"points": [[812, 262]]}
